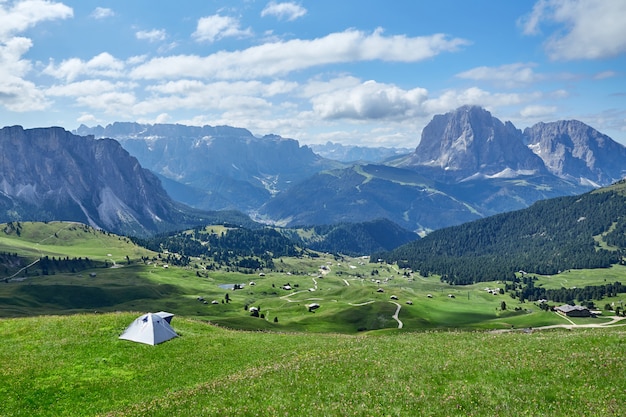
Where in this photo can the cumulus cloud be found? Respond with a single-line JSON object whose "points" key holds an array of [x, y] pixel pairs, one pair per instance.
{"points": [[586, 29], [103, 64], [153, 35], [16, 93], [451, 99], [88, 88], [102, 13], [216, 27], [370, 100], [279, 58], [17, 16], [223, 96], [537, 111], [289, 11], [510, 75]]}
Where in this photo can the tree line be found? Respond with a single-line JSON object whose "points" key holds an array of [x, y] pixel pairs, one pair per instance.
{"points": [[548, 237]]}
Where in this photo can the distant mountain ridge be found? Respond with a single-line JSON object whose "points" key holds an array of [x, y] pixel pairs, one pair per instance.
{"points": [[216, 168], [352, 153], [51, 174], [470, 142], [468, 165]]}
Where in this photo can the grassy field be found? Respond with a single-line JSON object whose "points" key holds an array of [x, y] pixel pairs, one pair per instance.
{"points": [[353, 294], [61, 355], [76, 366]]}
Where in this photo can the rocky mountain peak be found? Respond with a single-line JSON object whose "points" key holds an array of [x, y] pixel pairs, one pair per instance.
{"points": [[52, 174], [572, 149], [470, 141]]}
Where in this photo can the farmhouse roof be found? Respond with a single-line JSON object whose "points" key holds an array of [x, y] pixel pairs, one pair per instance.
{"points": [[566, 308]]}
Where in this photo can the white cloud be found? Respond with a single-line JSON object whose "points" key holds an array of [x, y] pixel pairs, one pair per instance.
{"points": [[102, 13], [21, 15], [88, 88], [279, 58], [222, 96], [452, 99], [102, 65], [86, 118], [16, 93], [604, 75], [113, 103], [538, 111], [588, 29], [216, 27], [289, 11], [370, 100], [530, 22], [315, 87], [510, 75], [153, 35]]}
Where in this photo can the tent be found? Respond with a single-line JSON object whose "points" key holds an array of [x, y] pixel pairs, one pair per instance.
{"points": [[165, 315], [150, 329]]}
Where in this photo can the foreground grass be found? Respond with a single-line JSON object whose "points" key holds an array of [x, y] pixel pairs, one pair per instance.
{"points": [[76, 366]]}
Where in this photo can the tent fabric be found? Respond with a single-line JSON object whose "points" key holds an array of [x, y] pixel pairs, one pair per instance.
{"points": [[150, 329], [165, 315]]}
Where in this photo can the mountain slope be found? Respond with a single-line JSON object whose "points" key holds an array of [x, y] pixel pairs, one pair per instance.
{"points": [[586, 231], [365, 193], [354, 239], [51, 174], [469, 142], [571, 149], [216, 167]]}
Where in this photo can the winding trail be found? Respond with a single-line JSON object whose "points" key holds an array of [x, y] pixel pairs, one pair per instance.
{"points": [[395, 315], [615, 322]]}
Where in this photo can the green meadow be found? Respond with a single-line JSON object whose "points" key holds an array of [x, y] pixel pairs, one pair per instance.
{"points": [[353, 295], [383, 341], [75, 365]]}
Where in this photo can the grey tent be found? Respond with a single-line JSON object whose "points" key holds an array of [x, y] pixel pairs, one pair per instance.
{"points": [[150, 329], [165, 315]]}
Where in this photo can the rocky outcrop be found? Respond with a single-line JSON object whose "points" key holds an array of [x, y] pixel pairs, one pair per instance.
{"points": [[572, 149], [51, 174], [471, 142]]}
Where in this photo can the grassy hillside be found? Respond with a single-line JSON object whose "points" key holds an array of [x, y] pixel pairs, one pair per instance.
{"points": [[353, 239], [77, 366], [353, 294], [66, 239], [581, 232]]}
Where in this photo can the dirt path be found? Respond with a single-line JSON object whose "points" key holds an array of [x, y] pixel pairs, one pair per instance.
{"points": [[395, 315], [615, 322]]}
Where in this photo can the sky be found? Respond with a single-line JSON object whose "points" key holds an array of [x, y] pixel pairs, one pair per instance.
{"points": [[364, 72]]}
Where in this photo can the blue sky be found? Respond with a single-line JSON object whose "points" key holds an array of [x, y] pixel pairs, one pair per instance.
{"points": [[362, 72]]}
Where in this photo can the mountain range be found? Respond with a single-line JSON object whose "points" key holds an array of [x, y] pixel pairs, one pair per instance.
{"points": [[52, 174], [216, 168], [143, 179]]}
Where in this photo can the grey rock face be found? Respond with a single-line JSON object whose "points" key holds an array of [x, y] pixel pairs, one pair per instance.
{"points": [[572, 149], [470, 141], [51, 174]]}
